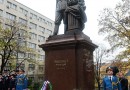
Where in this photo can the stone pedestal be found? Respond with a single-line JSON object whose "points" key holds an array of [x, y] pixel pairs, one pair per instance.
{"points": [[69, 62]]}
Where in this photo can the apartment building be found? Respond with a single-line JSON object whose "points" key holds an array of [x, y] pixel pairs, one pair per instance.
{"points": [[39, 27]]}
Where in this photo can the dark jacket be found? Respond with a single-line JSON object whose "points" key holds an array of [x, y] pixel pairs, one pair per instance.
{"points": [[1, 83], [12, 83], [6, 81], [124, 83]]}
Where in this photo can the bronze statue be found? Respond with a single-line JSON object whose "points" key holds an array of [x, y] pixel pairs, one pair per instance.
{"points": [[72, 13], [60, 14]]}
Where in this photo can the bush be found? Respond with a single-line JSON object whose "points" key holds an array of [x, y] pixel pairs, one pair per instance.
{"points": [[37, 86], [30, 88]]}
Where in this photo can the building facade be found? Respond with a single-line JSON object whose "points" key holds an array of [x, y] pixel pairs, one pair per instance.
{"points": [[39, 28]]}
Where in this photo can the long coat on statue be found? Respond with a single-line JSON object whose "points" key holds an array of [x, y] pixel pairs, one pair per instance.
{"points": [[112, 84]]}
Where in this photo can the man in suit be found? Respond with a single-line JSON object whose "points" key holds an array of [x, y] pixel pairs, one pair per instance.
{"points": [[123, 81], [111, 82]]}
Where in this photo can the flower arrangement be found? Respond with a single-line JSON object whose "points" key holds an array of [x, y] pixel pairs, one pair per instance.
{"points": [[45, 85]]}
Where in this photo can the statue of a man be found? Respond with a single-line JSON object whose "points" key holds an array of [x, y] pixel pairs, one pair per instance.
{"points": [[60, 14], [72, 13]]}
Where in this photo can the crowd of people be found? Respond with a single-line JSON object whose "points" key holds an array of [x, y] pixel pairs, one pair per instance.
{"points": [[114, 80], [13, 81]]}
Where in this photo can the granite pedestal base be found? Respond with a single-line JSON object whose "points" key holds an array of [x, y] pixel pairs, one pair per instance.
{"points": [[69, 62]]}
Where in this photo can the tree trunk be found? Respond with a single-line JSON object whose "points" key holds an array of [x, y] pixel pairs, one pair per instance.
{"points": [[2, 67], [99, 85], [3, 64]]}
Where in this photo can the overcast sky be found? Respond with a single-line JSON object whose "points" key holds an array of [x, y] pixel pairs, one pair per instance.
{"points": [[93, 7]]}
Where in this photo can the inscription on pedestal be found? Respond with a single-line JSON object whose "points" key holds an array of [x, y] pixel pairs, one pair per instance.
{"points": [[60, 64]]}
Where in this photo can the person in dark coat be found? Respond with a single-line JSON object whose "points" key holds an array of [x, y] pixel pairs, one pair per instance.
{"points": [[115, 70], [5, 80], [12, 83], [123, 81], [1, 82]]}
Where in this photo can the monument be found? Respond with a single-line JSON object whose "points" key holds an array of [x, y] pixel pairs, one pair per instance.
{"points": [[69, 57]]}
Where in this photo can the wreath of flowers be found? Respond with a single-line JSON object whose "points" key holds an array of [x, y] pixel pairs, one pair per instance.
{"points": [[45, 84]]}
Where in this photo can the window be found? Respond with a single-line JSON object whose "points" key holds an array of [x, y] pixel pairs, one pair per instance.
{"points": [[41, 38], [33, 16], [11, 5], [31, 67], [23, 11], [21, 55], [14, 6], [32, 45], [10, 16], [8, 4], [41, 67], [42, 29], [48, 31], [22, 32], [23, 21], [32, 26], [50, 24], [31, 55], [33, 35], [41, 57], [1, 13], [40, 19], [23, 43], [43, 20], [21, 65], [47, 22]]}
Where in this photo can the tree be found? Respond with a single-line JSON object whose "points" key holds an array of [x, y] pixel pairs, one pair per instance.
{"points": [[115, 25], [122, 65], [99, 55], [12, 37]]}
